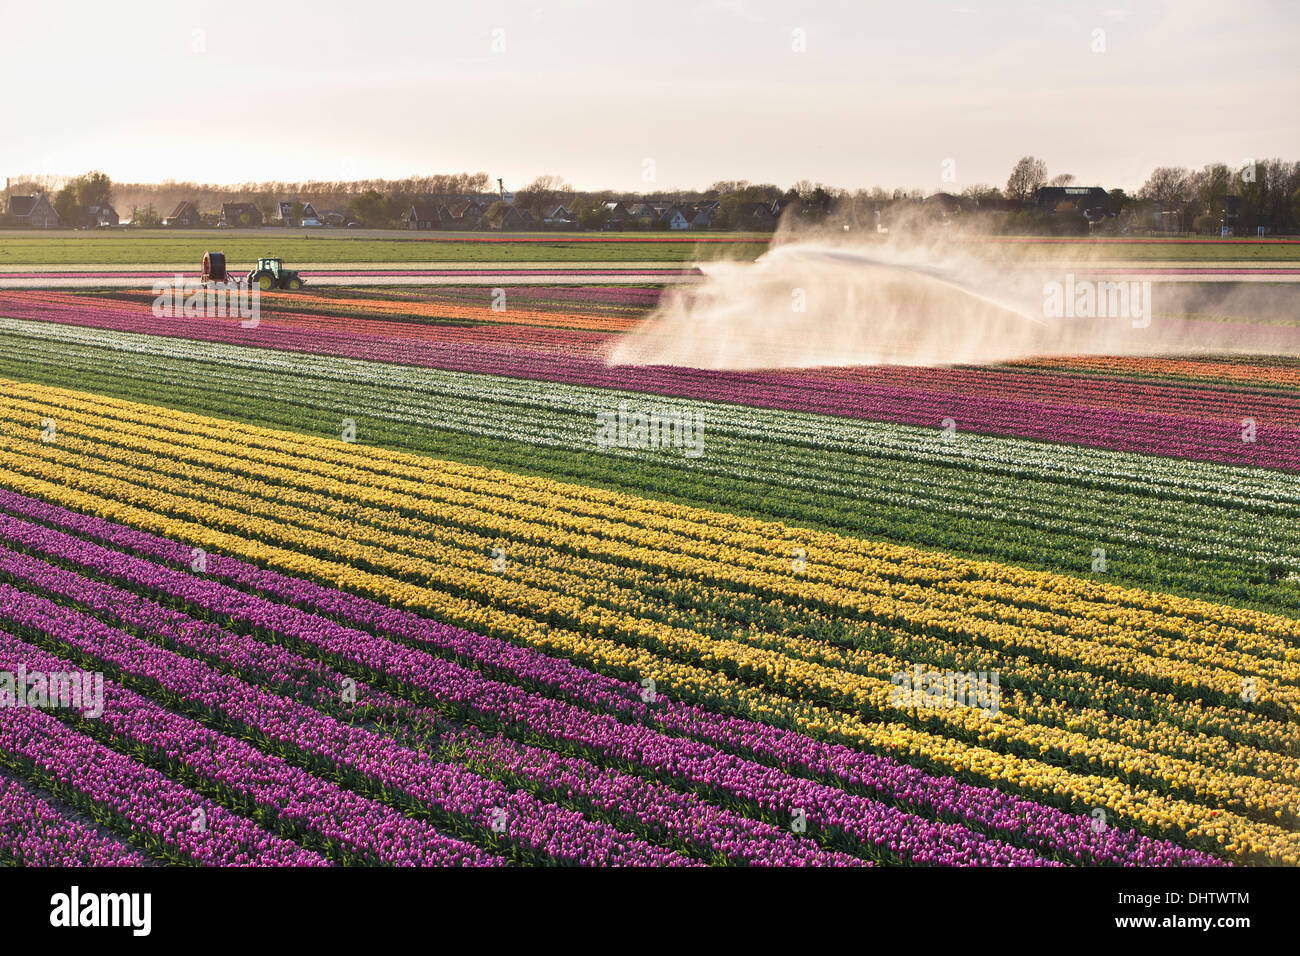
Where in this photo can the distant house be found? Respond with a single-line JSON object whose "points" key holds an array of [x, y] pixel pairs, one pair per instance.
{"points": [[701, 219], [561, 217], [505, 217], [779, 206], [95, 216], [427, 215], [1091, 201], [240, 214], [677, 218], [1084, 197], [754, 215], [617, 215], [185, 214], [284, 212], [465, 214], [34, 211], [643, 212]]}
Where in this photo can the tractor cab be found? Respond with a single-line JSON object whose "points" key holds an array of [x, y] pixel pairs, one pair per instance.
{"points": [[271, 265]]}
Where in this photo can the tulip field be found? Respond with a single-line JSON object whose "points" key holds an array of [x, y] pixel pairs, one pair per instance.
{"points": [[367, 586]]}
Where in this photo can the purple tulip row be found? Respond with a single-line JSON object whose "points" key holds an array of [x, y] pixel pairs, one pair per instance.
{"points": [[161, 813], [476, 803], [449, 682], [33, 833], [363, 830], [652, 807], [1154, 419], [682, 816], [293, 675], [672, 740], [885, 829]]}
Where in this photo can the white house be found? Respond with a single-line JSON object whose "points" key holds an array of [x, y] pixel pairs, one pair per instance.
{"points": [[284, 212]]}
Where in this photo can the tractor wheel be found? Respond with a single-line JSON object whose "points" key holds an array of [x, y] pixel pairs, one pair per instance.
{"points": [[294, 284], [266, 282]]}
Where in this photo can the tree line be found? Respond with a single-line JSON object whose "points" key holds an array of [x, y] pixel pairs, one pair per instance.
{"points": [[1244, 197]]}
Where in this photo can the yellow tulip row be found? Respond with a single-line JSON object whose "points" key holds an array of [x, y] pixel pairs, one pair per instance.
{"points": [[422, 530], [594, 584], [1130, 608], [1119, 731], [1206, 723], [927, 608], [1132, 734], [1165, 635], [768, 662], [1123, 611]]}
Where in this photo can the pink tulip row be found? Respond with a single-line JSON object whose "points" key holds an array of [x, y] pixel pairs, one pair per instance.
{"points": [[1235, 427]]}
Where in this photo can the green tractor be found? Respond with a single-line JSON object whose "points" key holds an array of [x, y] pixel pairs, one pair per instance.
{"points": [[270, 273]]}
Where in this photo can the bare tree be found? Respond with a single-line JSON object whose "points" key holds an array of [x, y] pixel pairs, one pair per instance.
{"points": [[982, 193], [1028, 176], [543, 193], [1166, 184], [1062, 179]]}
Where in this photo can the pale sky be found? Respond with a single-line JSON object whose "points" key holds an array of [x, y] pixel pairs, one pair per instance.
{"points": [[881, 94]]}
